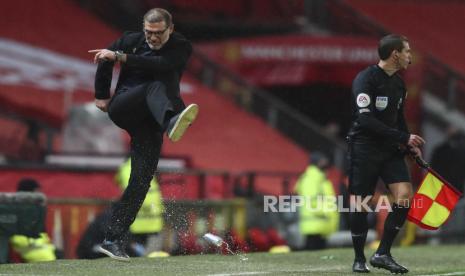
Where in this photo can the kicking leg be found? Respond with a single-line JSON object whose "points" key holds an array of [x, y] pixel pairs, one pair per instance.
{"points": [[179, 123]]}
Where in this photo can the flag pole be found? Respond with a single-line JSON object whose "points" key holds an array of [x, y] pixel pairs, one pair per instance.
{"points": [[425, 165], [420, 161]]}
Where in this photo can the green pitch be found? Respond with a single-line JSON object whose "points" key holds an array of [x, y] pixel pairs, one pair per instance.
{"points": [[421, 260]]}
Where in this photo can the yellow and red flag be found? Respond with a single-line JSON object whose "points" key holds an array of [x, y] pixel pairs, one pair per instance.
{"points": [[433, 202]]}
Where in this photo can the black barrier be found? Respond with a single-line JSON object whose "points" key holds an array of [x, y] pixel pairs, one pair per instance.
{"points": [[20, 214]]}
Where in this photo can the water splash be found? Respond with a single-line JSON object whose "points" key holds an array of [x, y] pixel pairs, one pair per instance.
{"points": [[218, 242]]}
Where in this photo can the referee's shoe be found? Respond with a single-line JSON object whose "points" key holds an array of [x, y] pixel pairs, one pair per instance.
{"points": [[179, 123], [360, 267], [387, 262]]}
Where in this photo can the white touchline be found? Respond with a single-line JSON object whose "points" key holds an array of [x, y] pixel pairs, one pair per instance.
{"points": [[446, 274], [239, 273], [15, 274], [309, 270], [266, 272]]}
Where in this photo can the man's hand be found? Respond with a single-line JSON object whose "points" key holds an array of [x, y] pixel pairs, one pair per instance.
{"points": [[415, 151], [103, 55], [102, 104], [415, 141]]}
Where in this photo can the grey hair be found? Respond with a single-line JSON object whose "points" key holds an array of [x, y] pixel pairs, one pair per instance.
{"points": [[158, 15]]}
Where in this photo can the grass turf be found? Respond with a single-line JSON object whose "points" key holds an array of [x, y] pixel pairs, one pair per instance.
{"points": [[421, 260]]}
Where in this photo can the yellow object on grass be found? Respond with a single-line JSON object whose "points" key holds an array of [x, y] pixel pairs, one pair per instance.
{"points": [[280, 249], [158, 254]]}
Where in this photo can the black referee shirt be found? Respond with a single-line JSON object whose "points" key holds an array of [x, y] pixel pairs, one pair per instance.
{"points": [[377, 108]]}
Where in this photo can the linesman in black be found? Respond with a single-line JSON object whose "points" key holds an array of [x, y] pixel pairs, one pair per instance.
{"points": [[146, 104], [377, 132]]}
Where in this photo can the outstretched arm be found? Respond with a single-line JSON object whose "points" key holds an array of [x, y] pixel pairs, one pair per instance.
{"points": [[103, 55], [103, 76], [169, 60]]}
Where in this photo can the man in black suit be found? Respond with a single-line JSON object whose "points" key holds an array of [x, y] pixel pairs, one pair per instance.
{"points": [[146, 103]]}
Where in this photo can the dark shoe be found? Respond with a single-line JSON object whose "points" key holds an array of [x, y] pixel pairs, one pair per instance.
{"points": [[387, 262], [360, 267], [179, 124], [114, 250]]}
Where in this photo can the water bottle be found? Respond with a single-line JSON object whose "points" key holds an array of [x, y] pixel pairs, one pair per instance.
{"points": [[214, 239]]}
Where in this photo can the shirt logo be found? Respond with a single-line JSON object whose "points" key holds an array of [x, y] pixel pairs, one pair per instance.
{"points": [[399, 104], [381, 103], [363, 100]]}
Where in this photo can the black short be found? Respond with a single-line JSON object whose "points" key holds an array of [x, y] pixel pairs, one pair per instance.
{"points": [[369, 162]]}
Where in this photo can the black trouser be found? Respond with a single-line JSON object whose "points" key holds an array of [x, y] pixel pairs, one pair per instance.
{"points": [[143, 111]]}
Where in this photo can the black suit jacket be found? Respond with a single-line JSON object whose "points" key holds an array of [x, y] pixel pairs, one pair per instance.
{"points": [[165, 65]]}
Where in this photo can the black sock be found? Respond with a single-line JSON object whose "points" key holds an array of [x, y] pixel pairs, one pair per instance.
{"points": [[359, 229], [392, 225]]}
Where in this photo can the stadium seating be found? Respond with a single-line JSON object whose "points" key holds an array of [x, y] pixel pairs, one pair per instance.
{"points": [[430, 25], [227, 137], [245, 144], [243, 10]]}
